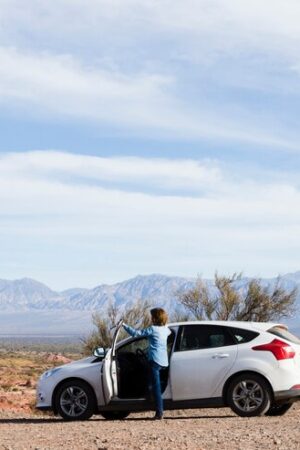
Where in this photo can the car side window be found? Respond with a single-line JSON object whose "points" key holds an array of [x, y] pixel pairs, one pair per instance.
{"points": [[143, 343], [197, 337], [242, 336]]}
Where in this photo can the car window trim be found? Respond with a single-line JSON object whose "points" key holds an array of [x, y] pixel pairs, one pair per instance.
{"points": [[224, 328], [132, 339], [237, 342]]}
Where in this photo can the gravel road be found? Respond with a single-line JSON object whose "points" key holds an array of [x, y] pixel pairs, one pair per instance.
{"points": [[203, 429]]}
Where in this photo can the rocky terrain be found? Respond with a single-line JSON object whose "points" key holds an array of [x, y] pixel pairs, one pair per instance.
{"points": [[19, 372]]}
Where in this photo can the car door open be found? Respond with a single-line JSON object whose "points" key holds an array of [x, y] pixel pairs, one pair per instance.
{"points": [[109, 369]]}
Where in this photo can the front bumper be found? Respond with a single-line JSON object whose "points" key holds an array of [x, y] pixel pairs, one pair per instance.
{"points": [[44, 395], [44, 408]]}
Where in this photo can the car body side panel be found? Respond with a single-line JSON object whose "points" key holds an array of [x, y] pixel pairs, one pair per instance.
{"points": [[197, 373], [280, 374], [90, 373]]}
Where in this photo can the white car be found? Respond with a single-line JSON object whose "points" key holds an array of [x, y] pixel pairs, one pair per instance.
{"points": [[254, 368]]}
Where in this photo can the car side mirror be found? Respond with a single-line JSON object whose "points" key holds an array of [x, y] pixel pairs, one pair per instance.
{"points": [[99, 352]]}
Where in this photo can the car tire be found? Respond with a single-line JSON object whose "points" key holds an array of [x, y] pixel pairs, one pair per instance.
{"points": [[249, 395], [114, 415], [279, 410], [75, 400]]}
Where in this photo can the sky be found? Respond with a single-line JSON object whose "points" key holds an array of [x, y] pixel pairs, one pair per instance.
{"points": [[141, 137]]}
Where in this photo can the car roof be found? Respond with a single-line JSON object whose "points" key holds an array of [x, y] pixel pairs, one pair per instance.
{"points": [[261, 326]]}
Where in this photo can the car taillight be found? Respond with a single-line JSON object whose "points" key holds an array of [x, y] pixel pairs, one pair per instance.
{"points": [[281, 350]]}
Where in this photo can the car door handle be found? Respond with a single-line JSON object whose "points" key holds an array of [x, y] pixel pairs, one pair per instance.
{"points": [[220, 355]]}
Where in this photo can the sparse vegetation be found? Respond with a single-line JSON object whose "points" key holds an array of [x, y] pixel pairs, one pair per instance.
{"points": [[19, 373], [229, 301], [136, 315], [51, 344]]}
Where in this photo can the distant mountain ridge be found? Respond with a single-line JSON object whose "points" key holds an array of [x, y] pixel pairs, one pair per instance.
{"points": [[26, 305], [28, 294]]}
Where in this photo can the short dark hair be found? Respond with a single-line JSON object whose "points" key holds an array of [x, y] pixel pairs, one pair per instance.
{"points": [[159, 316]]}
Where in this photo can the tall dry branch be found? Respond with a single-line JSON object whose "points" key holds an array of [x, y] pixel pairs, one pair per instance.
{"points": [[229, 300], [136, 315]]}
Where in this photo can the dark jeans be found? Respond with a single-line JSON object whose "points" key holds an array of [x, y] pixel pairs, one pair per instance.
{"points": [[155, 387]]}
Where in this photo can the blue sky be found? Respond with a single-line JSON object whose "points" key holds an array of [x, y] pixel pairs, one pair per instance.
{"points": [[153, 136]]}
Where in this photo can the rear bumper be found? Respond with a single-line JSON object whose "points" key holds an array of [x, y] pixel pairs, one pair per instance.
{"points": [[288, 396]]}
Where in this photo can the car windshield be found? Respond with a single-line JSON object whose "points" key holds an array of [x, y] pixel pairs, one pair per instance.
{"points": [[285, 334]]}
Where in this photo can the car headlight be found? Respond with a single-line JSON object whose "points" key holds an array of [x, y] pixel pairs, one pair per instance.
{"points": [[50, 372]]}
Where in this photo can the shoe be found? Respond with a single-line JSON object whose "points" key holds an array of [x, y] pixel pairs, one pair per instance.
{"points": [[158, 417]]}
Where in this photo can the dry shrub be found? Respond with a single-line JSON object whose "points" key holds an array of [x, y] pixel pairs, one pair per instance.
{"points": [[228, 301], [137, 315]]}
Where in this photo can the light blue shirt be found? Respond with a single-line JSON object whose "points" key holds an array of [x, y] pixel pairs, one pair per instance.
{"points": [[157, 336]]}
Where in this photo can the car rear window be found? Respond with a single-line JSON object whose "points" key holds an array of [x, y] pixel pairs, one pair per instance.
{"points": [[242, 336], [285, 334]]}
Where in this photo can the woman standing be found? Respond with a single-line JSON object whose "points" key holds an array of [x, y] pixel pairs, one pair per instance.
{"points": [[157, 334]]}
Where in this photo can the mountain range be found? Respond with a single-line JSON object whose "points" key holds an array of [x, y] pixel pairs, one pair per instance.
{"points": [[28, 306]]}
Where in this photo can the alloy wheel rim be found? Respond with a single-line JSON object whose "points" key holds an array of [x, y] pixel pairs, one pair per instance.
{"points": [[248, 395], [73, 401]]}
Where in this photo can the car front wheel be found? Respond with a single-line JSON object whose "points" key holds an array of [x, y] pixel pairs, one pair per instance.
{"points": [[75, 400], [249, 395]]}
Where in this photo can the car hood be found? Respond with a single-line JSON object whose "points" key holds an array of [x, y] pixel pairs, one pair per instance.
{"points": [[87, 360], [81, 363]]}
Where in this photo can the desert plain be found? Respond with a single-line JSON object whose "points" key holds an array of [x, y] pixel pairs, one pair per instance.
{"points": [[22, 427]]}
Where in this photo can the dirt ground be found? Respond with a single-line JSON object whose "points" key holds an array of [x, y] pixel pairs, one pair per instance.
{"points": [[22, 427], [203, 429]]}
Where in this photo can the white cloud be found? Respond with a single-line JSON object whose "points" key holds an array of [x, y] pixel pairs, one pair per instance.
{"points": [[234, 25], [152, 178], [160, 69], [43, 84], [54, 222], [62, 85], [29, 185], [151, 173], [123, 63]]}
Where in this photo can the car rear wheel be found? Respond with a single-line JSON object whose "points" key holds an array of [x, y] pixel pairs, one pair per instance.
{"points": [[114, 415], [279, 410], [249, 395], [75, 400]]}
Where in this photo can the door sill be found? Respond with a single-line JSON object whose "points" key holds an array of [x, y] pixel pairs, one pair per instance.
{"points": [[145, 405]]}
